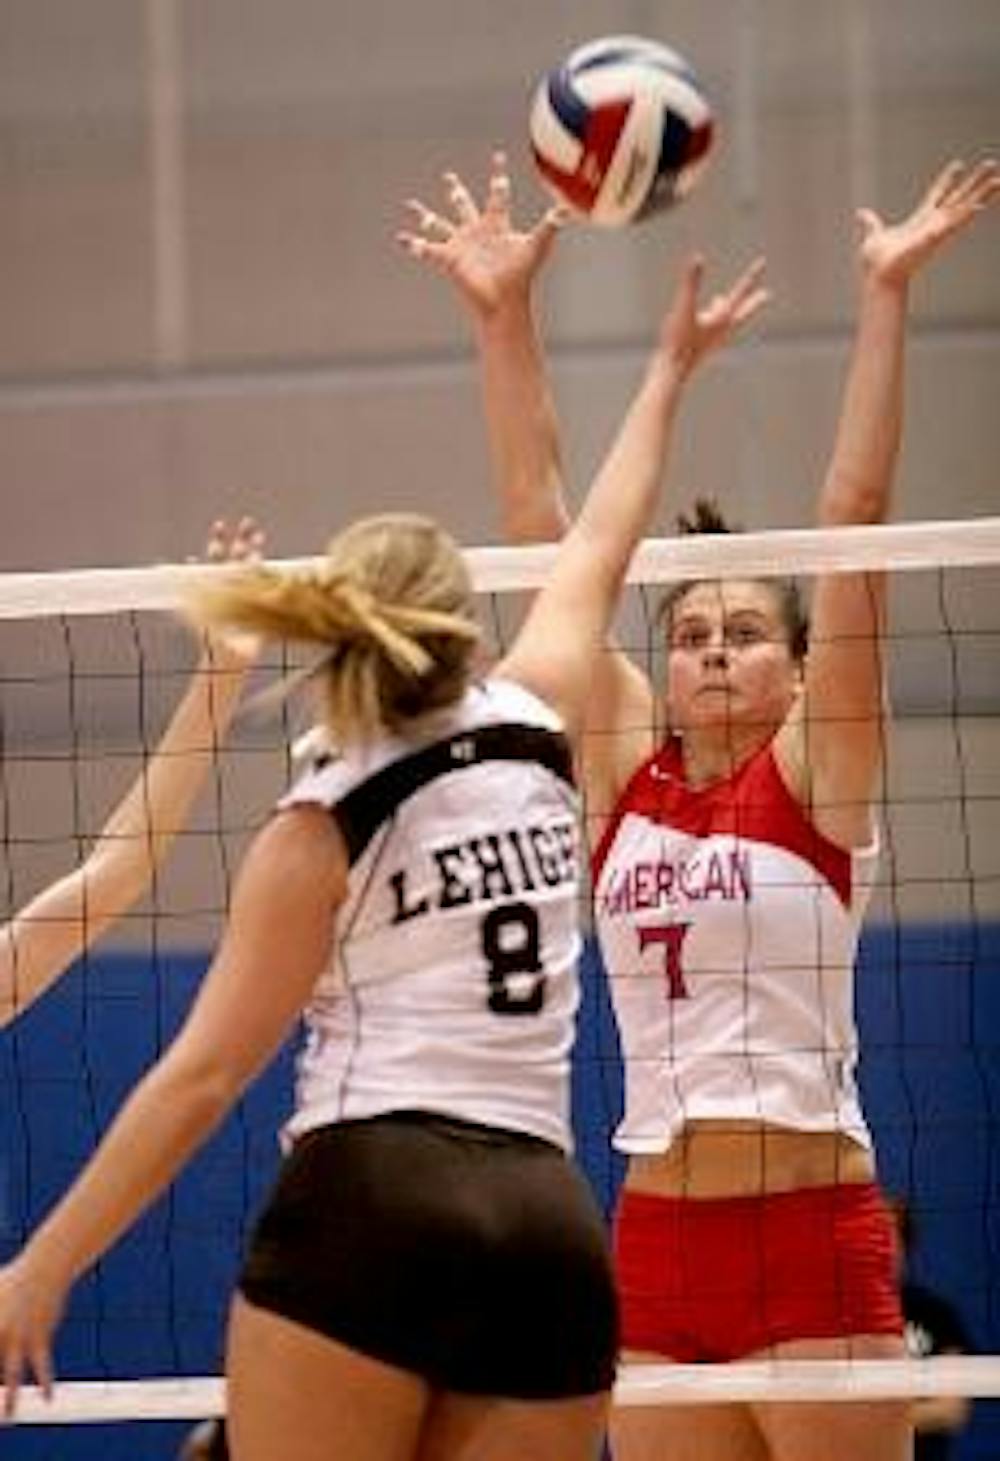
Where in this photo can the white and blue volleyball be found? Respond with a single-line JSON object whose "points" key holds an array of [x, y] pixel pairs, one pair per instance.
{"points": [[621, 129]]}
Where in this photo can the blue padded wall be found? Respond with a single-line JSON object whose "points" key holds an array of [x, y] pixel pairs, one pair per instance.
{"points": [[929, 1012]]}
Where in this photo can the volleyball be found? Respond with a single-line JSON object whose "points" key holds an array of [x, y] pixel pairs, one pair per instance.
{"points": [[621, 129]]}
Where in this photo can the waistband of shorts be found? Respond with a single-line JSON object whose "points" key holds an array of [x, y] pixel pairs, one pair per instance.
{"points": [[798, 1201], [440, 1123]]}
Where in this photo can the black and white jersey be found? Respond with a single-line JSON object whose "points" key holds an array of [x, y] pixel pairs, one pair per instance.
{"points": [[453, 983]]}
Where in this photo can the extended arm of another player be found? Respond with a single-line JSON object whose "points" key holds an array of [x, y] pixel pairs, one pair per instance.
{"points": [[859, 479], [844, 692], [293, 877], [522, 424], [493, 265], [43, 938], [557, 649]]}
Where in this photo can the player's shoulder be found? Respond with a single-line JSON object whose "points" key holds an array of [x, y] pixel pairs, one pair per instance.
{"points": [[324, 775], [503, 697], [327, 773]]}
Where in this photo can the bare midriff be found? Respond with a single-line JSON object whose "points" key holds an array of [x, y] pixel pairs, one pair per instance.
{"points": [[745, 1158]]}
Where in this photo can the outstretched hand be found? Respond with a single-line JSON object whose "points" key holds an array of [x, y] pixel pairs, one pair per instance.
{"points": [[891, 253], [490, 260], [691, 332], [30, 1309], [242, 542]]}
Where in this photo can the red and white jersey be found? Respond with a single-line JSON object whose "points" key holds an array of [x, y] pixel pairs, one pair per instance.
{"points": [[453, 986], [729, 927]]}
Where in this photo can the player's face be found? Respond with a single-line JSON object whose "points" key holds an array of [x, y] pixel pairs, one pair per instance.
{"points": [[728, 658]]}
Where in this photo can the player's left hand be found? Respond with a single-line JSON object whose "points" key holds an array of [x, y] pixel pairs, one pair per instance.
{"points": [[891, 253], [691, 330], [240, 542]]}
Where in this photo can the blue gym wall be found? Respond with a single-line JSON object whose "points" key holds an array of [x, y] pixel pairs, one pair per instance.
{"points": [[929, 1010]]}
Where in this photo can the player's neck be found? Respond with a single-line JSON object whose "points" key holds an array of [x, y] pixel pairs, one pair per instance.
{"points": [[715, 755]]}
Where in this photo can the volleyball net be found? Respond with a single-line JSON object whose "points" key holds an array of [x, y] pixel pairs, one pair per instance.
{"points": [[91, 664]]}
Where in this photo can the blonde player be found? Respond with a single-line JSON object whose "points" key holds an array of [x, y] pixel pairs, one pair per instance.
{"points": [[43, 939], [430, 1278], [732, 866]]}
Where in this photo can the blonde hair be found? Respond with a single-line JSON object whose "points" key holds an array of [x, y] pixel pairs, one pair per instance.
{"points": [[392, 604]]}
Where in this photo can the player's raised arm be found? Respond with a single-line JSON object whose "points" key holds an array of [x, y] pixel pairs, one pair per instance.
{"points": [[494, 264], [559, 646], [835, 760], [43, 938]]}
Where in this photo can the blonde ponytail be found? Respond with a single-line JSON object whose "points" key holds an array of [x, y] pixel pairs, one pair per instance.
{"points": [[391, 604]]}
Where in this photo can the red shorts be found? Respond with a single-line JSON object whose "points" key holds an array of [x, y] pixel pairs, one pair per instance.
{"points": [[720, 1279]]}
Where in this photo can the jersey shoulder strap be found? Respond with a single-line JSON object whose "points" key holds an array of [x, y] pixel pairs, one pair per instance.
{"points": [[366, 807]]}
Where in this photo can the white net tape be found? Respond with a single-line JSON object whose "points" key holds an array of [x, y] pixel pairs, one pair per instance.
{"points": [[81, 1401], [899, 546]]}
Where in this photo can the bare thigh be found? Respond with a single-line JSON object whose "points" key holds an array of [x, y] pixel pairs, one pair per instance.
{"points": [[470, 1428], [769, 1432], [294, 1393], [684, 1432], [876, 1431]]}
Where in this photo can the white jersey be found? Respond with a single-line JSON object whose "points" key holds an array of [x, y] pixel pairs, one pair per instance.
{"points": [[729, 927], [453, 985]]}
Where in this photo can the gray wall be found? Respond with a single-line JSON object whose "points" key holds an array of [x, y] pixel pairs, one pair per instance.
{"points": [[210, 312], [204, 310]]}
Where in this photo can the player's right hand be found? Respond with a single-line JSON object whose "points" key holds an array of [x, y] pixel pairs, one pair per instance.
{"points": [[490, 260]]}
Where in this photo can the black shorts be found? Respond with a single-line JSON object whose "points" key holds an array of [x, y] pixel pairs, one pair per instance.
{"points": [[473, 1257]]}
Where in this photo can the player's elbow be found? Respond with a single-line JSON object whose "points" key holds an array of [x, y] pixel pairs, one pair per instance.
{"points": [[114, 877], [533, 516], [205, 1085], [526, 528], [854, 499]]}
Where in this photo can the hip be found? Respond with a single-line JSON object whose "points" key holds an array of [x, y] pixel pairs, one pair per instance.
{"points": [[710, 1159], [437, 1245], [725, 1278]]}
